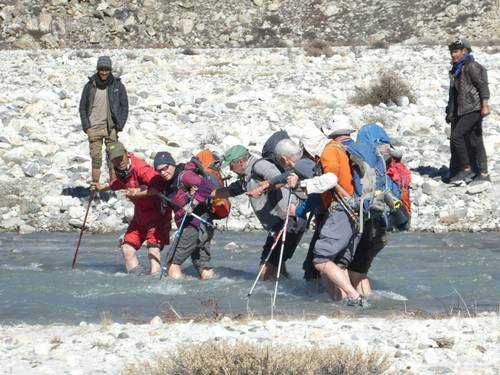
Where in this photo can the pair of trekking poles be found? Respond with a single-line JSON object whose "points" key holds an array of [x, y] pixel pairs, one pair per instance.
{"points": [[281, 233], [178, 234]]}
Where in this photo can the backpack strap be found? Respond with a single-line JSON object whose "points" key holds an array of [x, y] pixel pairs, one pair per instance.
{"points": [[254, 174]]}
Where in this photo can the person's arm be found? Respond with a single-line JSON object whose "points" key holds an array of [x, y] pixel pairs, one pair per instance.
{"points": [[320, 184], [141, 192], [312, 202], [203, 187], [84, 107], [479, 78], [122, 116], [101, 188], [233, 190]]}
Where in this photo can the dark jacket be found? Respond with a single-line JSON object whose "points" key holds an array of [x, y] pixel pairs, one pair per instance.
{"points": [[467, 90], [117, 99]]}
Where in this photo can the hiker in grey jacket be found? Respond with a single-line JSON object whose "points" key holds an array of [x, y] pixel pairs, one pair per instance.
{"points": [[468, 103], [270, 208], [103, 112]]}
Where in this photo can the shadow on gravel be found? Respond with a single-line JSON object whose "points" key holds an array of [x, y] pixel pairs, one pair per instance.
{"points": [[83, 192], [432, 172]]}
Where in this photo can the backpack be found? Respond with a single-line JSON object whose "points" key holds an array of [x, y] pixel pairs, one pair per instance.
{"points": [[206, 164], [364, 178], [270, 145], [399, 174]]}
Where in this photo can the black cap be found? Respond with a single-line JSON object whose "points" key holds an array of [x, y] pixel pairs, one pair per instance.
{"points": [[460, 44]]}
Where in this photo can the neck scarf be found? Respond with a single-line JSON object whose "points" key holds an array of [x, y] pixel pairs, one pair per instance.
{"points": [[103, 84], [457, 66]]}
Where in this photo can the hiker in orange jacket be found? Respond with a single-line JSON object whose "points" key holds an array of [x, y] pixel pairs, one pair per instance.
{"points": [[334, 250]]}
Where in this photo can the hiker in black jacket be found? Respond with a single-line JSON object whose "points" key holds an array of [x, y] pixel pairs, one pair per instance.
{"points": [[468, 104], [103, 112]]}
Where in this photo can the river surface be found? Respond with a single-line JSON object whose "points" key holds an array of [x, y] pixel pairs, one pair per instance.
{"points": [[436, 273]]}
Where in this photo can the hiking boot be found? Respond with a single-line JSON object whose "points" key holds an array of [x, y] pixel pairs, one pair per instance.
{"points": [[480, 178], [462, 177], [356, 302]]}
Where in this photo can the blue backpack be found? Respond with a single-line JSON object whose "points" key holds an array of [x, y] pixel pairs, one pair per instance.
{"points": [[364, 175], [399, 216], [373, 134], [376, 135]]}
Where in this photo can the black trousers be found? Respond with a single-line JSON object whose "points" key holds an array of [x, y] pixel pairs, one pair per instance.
{"points": [[466, 144]]}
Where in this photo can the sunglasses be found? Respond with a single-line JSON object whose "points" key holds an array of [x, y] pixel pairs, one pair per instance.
{"points": [[163, 170]]}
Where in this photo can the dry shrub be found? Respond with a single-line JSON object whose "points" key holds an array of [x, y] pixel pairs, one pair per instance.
{"points": [[389, 87], [317, 48], [378, 44], [247, 359]]}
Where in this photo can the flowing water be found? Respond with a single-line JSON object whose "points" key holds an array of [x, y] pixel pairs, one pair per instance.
{"points": [[429, 272]]}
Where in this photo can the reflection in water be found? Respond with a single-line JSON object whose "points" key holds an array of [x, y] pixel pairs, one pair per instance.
{"points": [[416, 271]]}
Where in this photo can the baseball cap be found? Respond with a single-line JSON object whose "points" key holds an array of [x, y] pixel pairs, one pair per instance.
{"points": [[115, 150], [233, 153]]}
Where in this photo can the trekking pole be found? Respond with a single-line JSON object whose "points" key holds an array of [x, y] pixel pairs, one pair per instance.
{"points": [[349, 210], [164, 197], [178, 234], [285, 227], [264, 263], [91, 197]]}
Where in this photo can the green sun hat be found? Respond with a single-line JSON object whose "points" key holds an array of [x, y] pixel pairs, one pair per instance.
{"points": [[115, 150], [233, 153]]}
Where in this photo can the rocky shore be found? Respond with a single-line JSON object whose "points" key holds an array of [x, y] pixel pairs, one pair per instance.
{"points": [[217, 98], [251, 23], [412, 346]]}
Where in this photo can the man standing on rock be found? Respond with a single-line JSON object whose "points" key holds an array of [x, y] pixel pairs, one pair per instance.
{"points": [[468, 104], [103, 112], [151, 221]]}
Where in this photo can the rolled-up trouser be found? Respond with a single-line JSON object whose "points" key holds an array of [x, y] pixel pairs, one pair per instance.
{"points": [[96, 138], [195, 242], [337, 240], [373, 239], [294, 233]]}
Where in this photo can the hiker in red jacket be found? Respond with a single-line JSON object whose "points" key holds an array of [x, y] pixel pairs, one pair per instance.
{"points": [[151, 221]]}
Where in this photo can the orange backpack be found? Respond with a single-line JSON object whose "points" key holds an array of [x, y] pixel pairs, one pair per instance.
{"points": [[208, 166]]}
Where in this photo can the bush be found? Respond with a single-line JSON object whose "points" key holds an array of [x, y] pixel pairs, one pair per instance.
{"points": [[317, 48], [244, 359], [389, 88]]}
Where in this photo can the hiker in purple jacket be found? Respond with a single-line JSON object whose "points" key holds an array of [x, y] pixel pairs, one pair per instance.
{"points": [[182, 184]]}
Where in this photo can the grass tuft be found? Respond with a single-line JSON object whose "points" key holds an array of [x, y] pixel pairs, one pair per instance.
{"points": [[389, 87], [213, 358], [317, 48]]}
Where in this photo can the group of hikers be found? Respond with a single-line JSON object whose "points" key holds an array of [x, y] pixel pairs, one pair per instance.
{"points": [[354, 191]]}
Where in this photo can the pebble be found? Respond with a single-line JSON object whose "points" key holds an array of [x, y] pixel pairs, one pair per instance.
{"points": [[220, 108]]}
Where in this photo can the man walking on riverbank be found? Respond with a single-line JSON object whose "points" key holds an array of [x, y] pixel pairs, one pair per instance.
{"points": [[468, 104], [151, 221], [103, 113]]}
